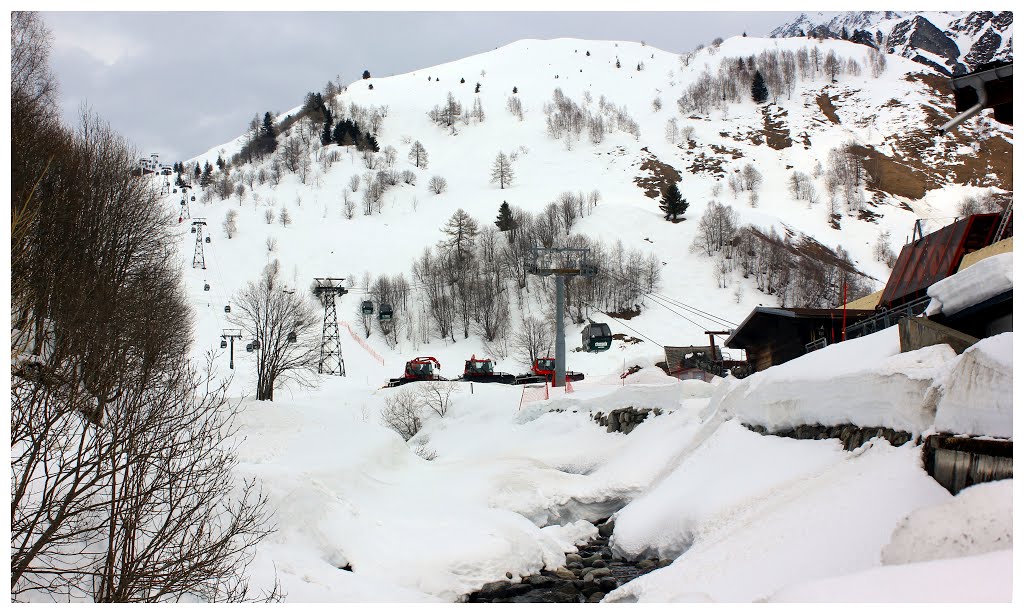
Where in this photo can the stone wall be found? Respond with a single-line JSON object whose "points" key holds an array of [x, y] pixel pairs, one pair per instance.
{"points": [[851, 435]]}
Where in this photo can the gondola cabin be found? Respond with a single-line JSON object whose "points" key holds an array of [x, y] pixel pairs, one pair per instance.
{"points": [[223, 343], [193, 230], [292, 337], [385, 312], [597, 337], [248, 347], [367, 308], [206, 287], [227, 308], [207, 239]]}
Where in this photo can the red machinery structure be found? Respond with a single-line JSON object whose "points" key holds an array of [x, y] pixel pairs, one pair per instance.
{"points": [[419, 369], [482, 370], [544, 370]]}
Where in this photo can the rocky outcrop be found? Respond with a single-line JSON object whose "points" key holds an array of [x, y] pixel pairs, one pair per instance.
{"points": [[623, 420], [984, 36]]}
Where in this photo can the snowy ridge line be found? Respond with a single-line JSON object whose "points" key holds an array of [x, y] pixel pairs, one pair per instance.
{"points": [[364, 345]]}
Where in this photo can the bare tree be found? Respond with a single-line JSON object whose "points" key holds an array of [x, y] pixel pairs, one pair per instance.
{"points": [[418, 155], [716, 228], [353, 183], [240, 193], [285, 217], [501, 170], [349, 206], [283, 324], [268, 215], [390, 156], [230, 223], [532, 340], [120, 450]]}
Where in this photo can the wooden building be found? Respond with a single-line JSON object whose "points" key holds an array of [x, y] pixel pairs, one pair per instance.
{"points": [[774, 335]]}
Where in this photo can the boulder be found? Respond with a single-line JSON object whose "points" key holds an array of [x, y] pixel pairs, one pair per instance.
{"points": [[495, 587], [564, 574], [595, 597]]}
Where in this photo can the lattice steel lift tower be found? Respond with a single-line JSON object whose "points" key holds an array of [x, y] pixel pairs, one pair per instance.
{"points": [[198, 259], [561, 262], [331, 361]]}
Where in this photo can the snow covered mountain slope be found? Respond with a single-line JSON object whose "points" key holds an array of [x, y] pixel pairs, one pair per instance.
{"points": [[908, 173], [513, 484], [951, 42]]}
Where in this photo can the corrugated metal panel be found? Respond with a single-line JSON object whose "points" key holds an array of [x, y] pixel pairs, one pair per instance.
{"points": [[931, 258]]}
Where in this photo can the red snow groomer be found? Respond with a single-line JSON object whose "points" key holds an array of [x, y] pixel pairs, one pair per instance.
{"points": [[544, 370], [419, 369], [482, 370]]}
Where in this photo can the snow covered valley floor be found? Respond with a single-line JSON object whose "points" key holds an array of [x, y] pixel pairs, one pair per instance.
{"points": [[515, 495]]}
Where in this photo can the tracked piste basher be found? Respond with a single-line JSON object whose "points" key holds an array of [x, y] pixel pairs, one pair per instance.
{"points": [[419, 369], [482, 370]]}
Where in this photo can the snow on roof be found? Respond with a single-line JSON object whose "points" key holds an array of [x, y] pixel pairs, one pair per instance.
{"points": [[989, 277]]}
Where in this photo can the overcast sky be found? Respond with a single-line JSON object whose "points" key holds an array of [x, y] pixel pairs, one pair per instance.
{"points": [[179, 83]]}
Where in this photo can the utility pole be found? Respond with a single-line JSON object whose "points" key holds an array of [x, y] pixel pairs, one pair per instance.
{"points": [[231, 334], [331, 361], [198, 258], [561, 262]]}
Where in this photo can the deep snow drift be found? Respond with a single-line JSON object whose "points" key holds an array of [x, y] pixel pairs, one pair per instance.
{"points": [[748, 517]]}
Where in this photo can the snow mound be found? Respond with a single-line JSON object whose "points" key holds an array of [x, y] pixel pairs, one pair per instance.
{"points": [[666, 520], [832, 523], [864, 381], [978, 520], [978, 390], [979, 282], [984, 578]]}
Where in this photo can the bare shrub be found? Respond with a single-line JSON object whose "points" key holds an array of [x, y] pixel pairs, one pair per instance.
{"points": [[401, 413], [437, 396], [438, 184]]}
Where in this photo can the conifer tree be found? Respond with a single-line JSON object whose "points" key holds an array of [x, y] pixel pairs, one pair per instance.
{"points": [[758, 90], [268, 134], [672, 202], [505, 221], [207, 175], [327, 134]]}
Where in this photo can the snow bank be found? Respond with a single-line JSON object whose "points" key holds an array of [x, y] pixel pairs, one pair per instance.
{"points": [[979, 282], [984, 578], [733, 466], [978, 520], [831, 523], [978, 390], [864, 381]]}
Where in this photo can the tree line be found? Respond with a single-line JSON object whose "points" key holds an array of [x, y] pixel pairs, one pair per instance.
{"points": [[467, 283], [122, 485]]}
